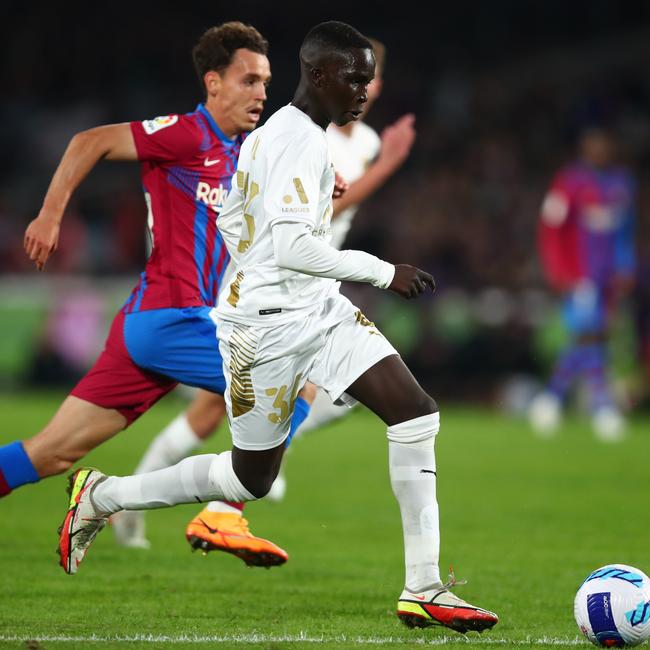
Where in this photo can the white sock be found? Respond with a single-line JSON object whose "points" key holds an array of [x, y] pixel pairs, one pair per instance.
{"points": [[220, 506], [322, 411], [196, 479], [175, 442], [412, 473]]}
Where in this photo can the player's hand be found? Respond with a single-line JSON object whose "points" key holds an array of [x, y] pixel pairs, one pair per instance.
{"points": [[41, 239], [397, 141], [410, 282], [340, 186]]}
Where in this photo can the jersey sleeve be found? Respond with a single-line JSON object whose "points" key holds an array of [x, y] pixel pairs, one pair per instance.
{"points": [[293, 182], [229, 221], [557, 234], [373, 145], [166, 138]]}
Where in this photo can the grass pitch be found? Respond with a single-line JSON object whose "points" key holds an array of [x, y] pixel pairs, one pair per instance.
{"points": [[524, 520]]}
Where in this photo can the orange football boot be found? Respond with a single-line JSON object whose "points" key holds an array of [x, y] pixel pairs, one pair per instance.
{"points": [[228, 531]]}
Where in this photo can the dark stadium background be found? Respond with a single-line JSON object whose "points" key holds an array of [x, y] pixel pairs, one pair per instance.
{"points": [[499, 88]]}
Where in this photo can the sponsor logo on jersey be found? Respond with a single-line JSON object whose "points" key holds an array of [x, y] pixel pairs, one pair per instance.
{"points": [[160, 122], [322, 231], [211, 196], [294, 210]]}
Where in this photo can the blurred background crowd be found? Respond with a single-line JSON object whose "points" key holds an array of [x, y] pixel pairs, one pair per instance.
{"points": [[500, 91]]}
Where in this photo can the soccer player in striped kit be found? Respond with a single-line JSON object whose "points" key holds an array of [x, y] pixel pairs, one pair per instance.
{"points": [[586, 237], [164, 334]]}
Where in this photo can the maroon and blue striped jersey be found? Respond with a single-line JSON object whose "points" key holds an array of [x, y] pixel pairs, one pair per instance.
{"points": [[587, 226], [187, 167]]}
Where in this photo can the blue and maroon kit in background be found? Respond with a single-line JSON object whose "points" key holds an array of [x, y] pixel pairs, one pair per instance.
{"points": [[586, 238]]}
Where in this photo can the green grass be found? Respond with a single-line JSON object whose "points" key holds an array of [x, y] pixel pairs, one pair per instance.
{"points": [[524, 520]]}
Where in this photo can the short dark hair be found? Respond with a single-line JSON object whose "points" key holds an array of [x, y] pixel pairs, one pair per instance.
{"points": [[215, 49], [333, 36]]}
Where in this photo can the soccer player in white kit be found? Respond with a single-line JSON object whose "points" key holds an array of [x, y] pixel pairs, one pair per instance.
{"points": [[366, 161], [283, 320]]}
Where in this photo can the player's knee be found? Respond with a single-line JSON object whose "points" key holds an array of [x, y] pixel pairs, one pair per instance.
{"points": [[260, 484], [420, 405], [236, 478]]}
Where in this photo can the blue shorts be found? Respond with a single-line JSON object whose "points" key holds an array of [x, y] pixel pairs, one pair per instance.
{"points": [[147, 354], [178, 343], [584, 310]]}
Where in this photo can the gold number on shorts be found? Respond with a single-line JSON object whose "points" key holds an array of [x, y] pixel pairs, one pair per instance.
{"points": [[280, 403]]}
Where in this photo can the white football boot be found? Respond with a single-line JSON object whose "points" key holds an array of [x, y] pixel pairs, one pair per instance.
{"points": [[545, 414], [442, 607], [82, 521], [608, 424]]}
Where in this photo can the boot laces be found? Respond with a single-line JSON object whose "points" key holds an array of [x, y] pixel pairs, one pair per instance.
{"points": [[452, 581]]}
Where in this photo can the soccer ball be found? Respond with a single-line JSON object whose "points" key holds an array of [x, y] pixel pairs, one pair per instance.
{"points": [[612, 607]]}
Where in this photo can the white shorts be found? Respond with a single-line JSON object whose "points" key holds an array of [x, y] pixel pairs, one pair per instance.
{"points": [[265, 367]]}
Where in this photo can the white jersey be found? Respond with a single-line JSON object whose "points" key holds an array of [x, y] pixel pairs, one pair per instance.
{"points": [[351, 156], [284, 174]]}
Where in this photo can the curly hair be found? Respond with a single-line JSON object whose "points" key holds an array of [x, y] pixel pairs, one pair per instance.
{"points": [[216, 47]]}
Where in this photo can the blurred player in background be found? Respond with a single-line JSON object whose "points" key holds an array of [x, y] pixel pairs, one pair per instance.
{"points": [[164, 333], [282, 320], [586, 237], [364, 160]]}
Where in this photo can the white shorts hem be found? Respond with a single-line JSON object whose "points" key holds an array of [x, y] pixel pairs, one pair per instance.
{"points": [[260, 446], [338, 394]]}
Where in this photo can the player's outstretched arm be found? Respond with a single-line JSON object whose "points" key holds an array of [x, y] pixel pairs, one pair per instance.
{"points": [[114, 142], [396, 143], [295, 248]]}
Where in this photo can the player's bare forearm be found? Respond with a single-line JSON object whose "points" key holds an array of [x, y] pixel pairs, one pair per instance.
{"points": [[396, 142], [375, 176], [114, 142]]}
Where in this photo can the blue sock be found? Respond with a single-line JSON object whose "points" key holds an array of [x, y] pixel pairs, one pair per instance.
{"points": [[15, 468], [595, 375], [300, 413], [567, 369]]}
